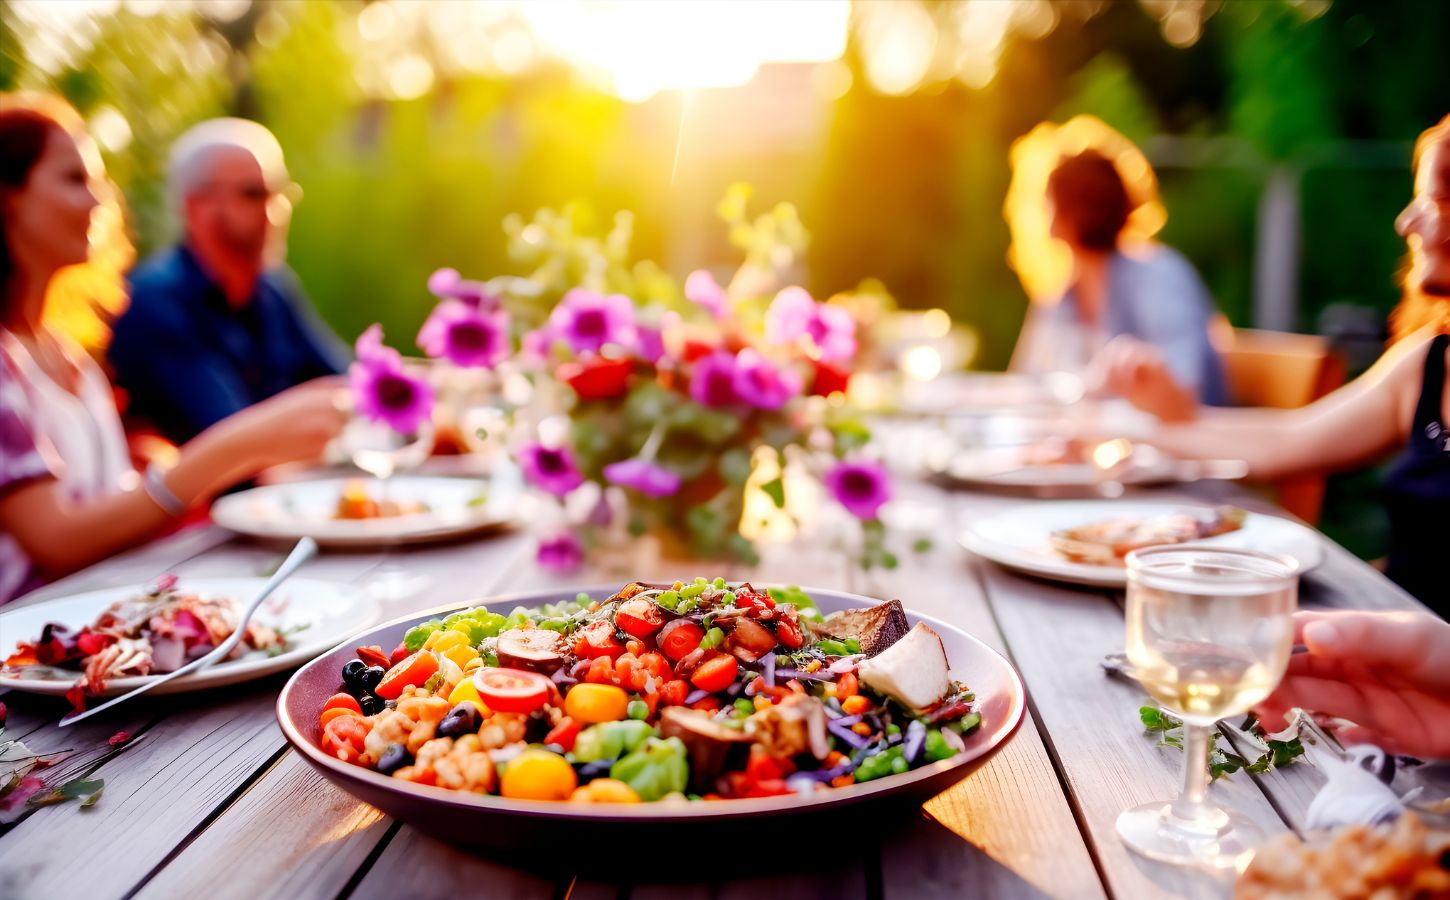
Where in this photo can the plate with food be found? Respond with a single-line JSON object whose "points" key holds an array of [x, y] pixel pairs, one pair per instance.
{"points": [[1085, 542], [361, 512], [680, 710], [107, 642], [1072, 465]]}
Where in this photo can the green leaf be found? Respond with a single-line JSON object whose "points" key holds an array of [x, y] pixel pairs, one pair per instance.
{"points": [[921, 545], [91, 800], [1155, 719], [775, 489], [735, 466]]}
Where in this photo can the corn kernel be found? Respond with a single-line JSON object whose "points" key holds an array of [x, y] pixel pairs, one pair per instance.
{"points": [[861, 728], [762, 701], [855, 705]]}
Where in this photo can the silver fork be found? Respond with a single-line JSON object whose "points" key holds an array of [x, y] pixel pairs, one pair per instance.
{"points": [[305, 550]]}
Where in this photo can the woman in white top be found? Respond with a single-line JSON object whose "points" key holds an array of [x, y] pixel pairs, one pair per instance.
{"points": [[68, 494]]}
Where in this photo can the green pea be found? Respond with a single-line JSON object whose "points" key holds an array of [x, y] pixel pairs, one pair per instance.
{"points": [[637, 709], [669, 599], [719, 583], [745, 706]]}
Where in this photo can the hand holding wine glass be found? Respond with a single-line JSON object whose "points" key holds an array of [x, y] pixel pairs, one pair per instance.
{"points": [[1387, 672], [1210, 632]]}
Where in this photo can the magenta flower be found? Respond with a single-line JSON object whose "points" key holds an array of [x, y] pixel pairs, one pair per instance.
{"points": [[702, 288], [759, 383], [587, 320], [538, 342], [550, 469], [649, 343], [448, 285], [793, 315], [383, 391], [713, 381], [467, 336], [788, 318], [833, 331], [648, 478], [561, 552], [862, 487]]}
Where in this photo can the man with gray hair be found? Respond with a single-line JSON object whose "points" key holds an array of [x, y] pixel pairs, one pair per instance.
{"points": [[216, 323]]}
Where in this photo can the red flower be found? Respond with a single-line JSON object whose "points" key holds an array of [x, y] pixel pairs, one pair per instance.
{"points": [[829, 379], [120, 739], [597, 378]]}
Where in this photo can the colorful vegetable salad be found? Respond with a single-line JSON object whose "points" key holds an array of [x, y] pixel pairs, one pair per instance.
{"points": [[691, 691]]}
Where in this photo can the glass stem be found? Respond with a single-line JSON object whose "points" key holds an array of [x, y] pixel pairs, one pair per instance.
{"points": [[1190, 805]]}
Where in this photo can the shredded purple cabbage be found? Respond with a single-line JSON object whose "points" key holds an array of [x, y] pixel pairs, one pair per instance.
{"points": [[915, 740], [696, 696], [800, 675], [768, 668], [845, 733]]}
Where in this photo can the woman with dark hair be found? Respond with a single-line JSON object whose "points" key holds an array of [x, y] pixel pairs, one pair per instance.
{"points": [[1123, 303], [68, 494], [1402, 402]]}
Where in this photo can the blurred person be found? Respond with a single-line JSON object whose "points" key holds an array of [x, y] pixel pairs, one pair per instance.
{"points": [[1402, 403], [216, 323], [68, 494], [1387, 672], [1120, 297]]}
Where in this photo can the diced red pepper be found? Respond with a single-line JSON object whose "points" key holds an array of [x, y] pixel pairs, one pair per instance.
{"points": [[564, 734], [597, 639]]}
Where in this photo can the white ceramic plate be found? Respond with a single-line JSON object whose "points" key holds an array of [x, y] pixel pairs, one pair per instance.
{"points": [[331, 611], [298, 509], [1008, 467], [1019, 538]]}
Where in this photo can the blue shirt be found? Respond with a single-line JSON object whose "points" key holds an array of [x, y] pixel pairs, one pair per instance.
{"points": [[189, 359], [1155, 296]]}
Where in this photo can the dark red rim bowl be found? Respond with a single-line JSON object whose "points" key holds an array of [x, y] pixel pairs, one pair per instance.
{"points": [[521, 825]]}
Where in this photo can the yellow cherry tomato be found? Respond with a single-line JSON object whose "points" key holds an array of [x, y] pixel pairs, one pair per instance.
{"points": [[593, 703], [538, 775], [461, 655], [605, 790], [466, 691]]}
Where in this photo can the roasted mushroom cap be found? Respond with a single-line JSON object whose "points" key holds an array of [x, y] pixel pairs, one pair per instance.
{"points": [[795, 725], [708, 741], [629, 590], [875, 628]]}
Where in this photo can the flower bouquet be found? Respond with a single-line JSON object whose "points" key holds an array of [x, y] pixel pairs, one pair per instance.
{"points": [[690, 414]]}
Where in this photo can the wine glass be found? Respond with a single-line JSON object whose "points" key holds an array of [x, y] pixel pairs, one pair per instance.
{"points": [[1210, 632], [382, 452]]}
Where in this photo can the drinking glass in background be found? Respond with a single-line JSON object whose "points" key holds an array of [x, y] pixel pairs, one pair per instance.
{"points": [[1210, 632], [382, 452]]}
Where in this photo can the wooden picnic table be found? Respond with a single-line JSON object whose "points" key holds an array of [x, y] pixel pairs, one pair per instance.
{"points": [[214, 803]]}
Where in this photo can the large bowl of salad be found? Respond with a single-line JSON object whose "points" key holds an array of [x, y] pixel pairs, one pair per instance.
{"points": [[618, 714]]}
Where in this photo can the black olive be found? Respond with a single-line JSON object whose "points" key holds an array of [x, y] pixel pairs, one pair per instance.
{"points": [[371, 704], [537, 727], [461, 719], [352, 672], [372, 676], [394, 757], [589, 771]]}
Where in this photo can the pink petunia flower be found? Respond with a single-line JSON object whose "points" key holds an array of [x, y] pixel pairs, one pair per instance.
{"points": [[467, 336], [561, 552], [759, 383], [587, 320], [648, 478], [860, 486], [712, 383], [793, 315], [383, 390], [550, 469], [702, 288]]}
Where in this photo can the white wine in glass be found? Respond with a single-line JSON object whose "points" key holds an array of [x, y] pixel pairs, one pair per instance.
{"points": [[382, 452], [1210, 631]]}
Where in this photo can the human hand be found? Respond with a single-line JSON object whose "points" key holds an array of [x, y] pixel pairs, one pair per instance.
{"points": [[295, 425], [1387, 672], [1136, 371]]}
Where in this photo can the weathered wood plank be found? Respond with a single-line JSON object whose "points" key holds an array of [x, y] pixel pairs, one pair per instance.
{"points": [[415, 865]]}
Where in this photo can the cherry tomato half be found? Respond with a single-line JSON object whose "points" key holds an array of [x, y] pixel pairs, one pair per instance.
{"points": [[679, 638], [639, 617], [511, 690], [597, 639]]}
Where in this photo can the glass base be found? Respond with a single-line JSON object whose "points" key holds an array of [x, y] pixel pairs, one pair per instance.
{"points": [[1215, 839], [392, 582]]}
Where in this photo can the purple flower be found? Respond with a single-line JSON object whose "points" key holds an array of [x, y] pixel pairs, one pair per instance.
{"points": [[793, 315], [649, 343], [702, 288], [759, 383], [713, 381], [442, 282], [561, 552], [538, 342], [552, 470], [467, 336], [789, 316], [644, 476], [587, 320], [860, 486], [383, 390], [834, 333], [446, 284]]}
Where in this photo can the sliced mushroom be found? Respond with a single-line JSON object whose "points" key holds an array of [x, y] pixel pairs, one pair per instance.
{"points": [[795, 725], [536, 649], [708, 741]]}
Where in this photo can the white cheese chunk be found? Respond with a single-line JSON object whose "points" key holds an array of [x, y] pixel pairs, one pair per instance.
{"points": [[913, 670]]}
